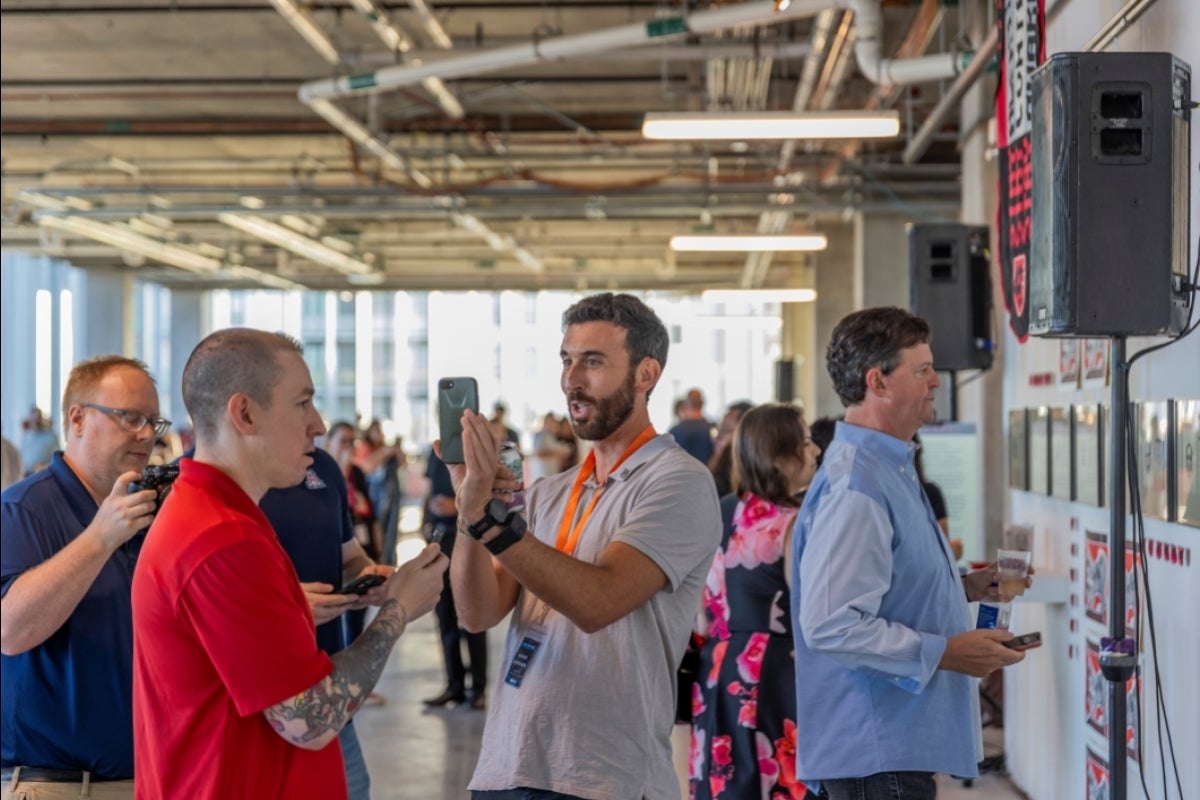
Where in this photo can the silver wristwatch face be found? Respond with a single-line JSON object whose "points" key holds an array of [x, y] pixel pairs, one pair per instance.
{"points": [[497, 510]]}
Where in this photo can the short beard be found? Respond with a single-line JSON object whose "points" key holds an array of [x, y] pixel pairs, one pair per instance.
{"points": [[608, 413]]}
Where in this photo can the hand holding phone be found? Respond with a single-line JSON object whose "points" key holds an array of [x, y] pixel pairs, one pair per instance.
{"points": [[362, 584], [1025, 641]]}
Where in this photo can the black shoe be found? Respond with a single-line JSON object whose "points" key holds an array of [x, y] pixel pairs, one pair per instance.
{"points": [[444, 698], [476, 702]]}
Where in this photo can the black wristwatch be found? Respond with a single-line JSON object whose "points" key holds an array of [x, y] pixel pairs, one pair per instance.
{"points": [[511, 523]]}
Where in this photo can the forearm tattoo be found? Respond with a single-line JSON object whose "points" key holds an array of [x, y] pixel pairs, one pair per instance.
{"points": [[329, 704]]}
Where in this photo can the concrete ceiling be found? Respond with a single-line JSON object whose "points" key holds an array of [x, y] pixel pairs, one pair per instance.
{"points": [[157, 115]]}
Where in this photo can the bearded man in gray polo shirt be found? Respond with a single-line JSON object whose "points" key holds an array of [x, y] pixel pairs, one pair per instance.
{"points": [[603, 574]]}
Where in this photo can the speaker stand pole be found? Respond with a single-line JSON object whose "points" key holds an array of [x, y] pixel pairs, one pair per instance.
{"points": [[1116, 550], [953, 396]]}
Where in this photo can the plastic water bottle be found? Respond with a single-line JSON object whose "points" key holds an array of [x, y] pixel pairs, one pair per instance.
{"points": [[994, 615]]}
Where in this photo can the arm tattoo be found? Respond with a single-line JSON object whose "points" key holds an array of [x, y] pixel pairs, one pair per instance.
{"points": [[329, 704]]}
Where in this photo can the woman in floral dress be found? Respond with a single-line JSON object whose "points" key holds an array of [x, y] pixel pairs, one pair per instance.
{"points": [[744, 700]]}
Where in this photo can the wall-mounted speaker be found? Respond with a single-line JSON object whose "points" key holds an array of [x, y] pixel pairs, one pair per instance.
{"points": [[1111, 174], [785, 380], [950, 286]]}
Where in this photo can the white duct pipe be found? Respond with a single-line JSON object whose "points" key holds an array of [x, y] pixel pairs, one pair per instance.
{"points": [[560, 47], [868, 19]]}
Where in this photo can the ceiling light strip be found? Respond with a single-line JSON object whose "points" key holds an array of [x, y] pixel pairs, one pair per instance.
{"points": [[127, 240], [304, 26], [742, 126], [294, 242], [759, 295], [712, 243]]}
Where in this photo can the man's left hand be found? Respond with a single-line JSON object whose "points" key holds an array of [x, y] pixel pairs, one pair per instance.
{"points": [[376, 594]]}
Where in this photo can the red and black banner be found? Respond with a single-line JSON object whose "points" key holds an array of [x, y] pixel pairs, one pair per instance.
{"points": [[1022, 26]]}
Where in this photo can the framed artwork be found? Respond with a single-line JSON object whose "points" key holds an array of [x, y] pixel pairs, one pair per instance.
{"points": [[1018, 449], [1039, 450], [1097, 783], [1062, 454], [1095, 576], [1095, 362], [1088, 472], [1154, 432], [1187, 462], [1095, 701], [1070, 366]]}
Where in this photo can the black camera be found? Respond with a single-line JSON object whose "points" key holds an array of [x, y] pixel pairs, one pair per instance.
{"points": [[158, 477]]}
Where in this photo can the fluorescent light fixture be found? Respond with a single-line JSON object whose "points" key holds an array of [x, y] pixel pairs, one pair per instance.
{"points": [[354, 129], [771, 125], [267, 279], [294, 242], [501, 243], [297, 19], [127, 240], [250, 201], [754, 243], [759, 296], [432, 26]]}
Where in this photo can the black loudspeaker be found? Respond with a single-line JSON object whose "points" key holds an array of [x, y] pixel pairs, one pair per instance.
{"points": [[950, 286], [1108, 253], [785, 377]]}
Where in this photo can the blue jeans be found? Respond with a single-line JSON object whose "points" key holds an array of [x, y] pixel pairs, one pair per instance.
{"points": [[522, 793], [358, 782], [882, 786]]}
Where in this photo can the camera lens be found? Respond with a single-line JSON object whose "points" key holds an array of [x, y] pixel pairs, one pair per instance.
{"points": [[449, 384]]}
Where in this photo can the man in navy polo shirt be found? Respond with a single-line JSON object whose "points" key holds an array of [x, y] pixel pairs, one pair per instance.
{"points": [[312, 520], [70, 542]]}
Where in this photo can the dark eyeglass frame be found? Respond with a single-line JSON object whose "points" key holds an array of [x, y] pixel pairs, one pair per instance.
{"points": [[133, 421]]}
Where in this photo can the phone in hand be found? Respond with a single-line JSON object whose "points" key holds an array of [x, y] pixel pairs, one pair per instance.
{"points": [[454, 394], [362, 584], [1025, 641]]}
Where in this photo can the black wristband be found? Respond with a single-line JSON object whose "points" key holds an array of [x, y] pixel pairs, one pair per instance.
{"points": [[509, 535]]}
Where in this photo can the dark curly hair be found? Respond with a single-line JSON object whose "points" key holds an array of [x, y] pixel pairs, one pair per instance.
{"points": [[645, 334], [873, 337]]}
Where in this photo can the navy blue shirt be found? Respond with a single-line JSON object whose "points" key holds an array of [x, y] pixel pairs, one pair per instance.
{"points": [[694, 436], [67, 703], [312, 521]]}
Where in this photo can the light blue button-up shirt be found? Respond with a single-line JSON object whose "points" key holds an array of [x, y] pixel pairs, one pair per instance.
{"points": [[876, 595]]}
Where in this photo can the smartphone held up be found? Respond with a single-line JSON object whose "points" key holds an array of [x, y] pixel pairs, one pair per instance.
{"points": [[454, 395]]}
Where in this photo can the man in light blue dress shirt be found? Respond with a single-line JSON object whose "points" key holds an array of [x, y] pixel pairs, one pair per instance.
{"points": [[887, 658]]}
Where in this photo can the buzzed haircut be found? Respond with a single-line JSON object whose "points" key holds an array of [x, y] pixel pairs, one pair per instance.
{"points": [[86, 376], [645, 334], [229, 361], [873, 337]]}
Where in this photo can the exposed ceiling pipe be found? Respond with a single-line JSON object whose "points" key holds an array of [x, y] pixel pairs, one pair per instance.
{"points": [[652, 51], [561, 47], [869, 21]]}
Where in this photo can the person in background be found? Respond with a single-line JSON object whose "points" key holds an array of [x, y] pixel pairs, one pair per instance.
{"points": [[70, 541], [743, 702], [11, 468], [381, 463], [312, 520], [441, 523], [693, 433], [886, 652], [937, 501], [601, 590], [224, 636], [38, 441], [721, 463], [549, 451], [339, 443], [821, 432], [500, 424]]}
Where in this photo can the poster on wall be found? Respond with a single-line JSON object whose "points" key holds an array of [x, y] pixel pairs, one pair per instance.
{"points": [[1086, 424], [1095, 362], [1039, 450], [950, 455], [1153, 427], [1097, 776], [1133, 697], [1021, 26], [1095, 701], [1095, 576], [1062, 457], [1070, 365], [1187, 462], [1133, 594], [1018, 449]]}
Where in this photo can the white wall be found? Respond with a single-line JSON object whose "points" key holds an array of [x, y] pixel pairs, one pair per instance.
{"points": [[1047, 737]]}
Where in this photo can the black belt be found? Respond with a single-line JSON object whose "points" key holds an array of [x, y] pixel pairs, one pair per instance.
{"points": [[44, 775]]}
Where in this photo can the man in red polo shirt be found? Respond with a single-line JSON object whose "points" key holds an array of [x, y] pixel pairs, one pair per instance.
{"points": [[232, 696]]}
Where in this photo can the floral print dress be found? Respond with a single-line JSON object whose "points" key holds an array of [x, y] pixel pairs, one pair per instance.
{"points": [[744, 699]]}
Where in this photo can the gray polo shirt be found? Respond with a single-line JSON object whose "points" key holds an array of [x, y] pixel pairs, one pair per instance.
{"points": [[592, 716]]}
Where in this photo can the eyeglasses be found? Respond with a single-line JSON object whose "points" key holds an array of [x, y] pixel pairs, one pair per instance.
{"points": [[133, 421]]}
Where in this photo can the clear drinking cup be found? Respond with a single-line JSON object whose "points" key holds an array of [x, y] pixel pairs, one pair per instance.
{"points": [[1012, 567]]}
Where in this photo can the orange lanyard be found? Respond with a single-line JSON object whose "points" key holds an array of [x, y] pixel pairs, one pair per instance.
{"points": [[568, 538]]}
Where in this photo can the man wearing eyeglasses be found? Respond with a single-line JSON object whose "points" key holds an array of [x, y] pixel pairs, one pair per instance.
{"points": [[70, 542]]}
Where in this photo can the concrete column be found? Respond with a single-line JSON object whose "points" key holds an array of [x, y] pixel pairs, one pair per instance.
{"points": [[881, 259], [188, 326], [106, 313], [982, 401], [838, 293]]}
